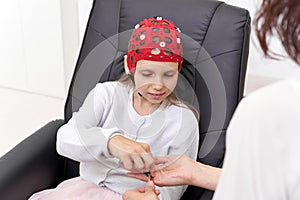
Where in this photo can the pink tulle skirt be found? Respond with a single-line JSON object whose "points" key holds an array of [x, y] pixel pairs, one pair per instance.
{"points": [[77, 189]]}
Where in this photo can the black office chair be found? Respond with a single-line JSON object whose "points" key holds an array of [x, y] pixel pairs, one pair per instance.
{"points": [[215, 39]]}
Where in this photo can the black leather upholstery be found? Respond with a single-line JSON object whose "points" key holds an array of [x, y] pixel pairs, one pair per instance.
{"points": [[216, 38], [32, 165]]}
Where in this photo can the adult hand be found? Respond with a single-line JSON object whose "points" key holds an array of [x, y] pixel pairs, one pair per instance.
{"points": [[147, 193], [170, 170], [134, 156], [181, 170]]}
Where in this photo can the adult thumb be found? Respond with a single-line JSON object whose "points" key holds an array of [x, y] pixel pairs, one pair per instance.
{"points": [[150, 187]]}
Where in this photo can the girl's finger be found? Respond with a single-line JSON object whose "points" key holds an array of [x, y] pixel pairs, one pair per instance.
{"points": [[157, 192], [142, 190], [138, 163], [148, 161], [150, 187], [127, 163]]}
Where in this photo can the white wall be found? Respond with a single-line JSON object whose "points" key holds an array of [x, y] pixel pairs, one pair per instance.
{"points": [[12, 58], [75, 14], [31, 46], [40, 41], [84, 7], [258, 64]]}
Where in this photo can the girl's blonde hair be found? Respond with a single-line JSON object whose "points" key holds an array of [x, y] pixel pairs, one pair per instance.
{"points": [[172, 98]]}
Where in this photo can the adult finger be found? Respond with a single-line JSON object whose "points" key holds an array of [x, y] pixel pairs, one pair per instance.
{"points": [[161, 160], [140, 176], [168, 178]]}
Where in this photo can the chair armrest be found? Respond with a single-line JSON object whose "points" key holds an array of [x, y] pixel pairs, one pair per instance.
{"points": [[32, 165]]}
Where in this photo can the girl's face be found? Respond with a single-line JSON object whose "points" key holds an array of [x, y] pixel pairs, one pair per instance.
{"points": [[155, 80]]}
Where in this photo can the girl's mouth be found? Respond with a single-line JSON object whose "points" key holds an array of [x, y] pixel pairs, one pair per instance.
{"points": [[156, 95]]}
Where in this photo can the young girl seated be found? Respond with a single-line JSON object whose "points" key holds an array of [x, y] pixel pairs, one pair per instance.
{"points": [[123, 125]]}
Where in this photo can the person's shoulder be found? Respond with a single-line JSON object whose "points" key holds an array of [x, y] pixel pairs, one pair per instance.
{"points": [[282, 95], [271, 110], [279, 90]]}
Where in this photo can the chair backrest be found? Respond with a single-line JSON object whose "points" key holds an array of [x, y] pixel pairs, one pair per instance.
{"points": [[216, 39]]}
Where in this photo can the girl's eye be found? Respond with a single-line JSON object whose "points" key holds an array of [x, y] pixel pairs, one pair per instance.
{"points": [[146, 74], [169, 75]]}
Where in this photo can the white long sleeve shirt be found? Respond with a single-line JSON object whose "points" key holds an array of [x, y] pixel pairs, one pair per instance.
{"points": [[262, 159], [107, 110]]}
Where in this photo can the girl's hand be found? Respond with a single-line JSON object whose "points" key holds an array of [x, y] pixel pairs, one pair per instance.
{"points": [[134, 156], [170, 170], [147, 193]]}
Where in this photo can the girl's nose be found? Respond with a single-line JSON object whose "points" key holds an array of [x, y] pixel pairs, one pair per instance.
{"points": [[158, 83], [157, 86]]}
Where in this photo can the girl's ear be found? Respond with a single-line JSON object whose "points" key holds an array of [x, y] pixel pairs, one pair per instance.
{"points": [[125, 65]]}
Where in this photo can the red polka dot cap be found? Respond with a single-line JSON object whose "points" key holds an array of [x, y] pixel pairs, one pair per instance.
{"points": [[154, 39]]}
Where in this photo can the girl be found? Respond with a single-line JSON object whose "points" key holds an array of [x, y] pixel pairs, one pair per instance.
{"points": [[123, 125]]}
